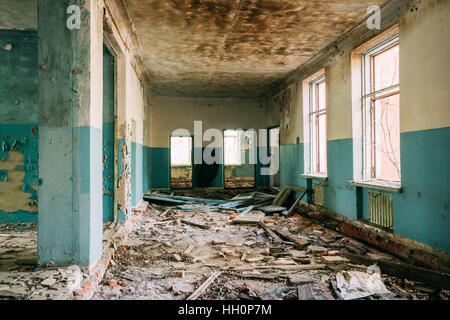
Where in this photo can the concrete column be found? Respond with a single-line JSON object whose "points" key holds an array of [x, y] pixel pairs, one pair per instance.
{"points": [[124, 137], [70, 134]]}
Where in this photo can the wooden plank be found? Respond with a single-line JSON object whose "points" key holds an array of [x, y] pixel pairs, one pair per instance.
{"points": [[406, 271], [272, 209], [194, 224], [286, 235], [256, 276], [251, 217], [283, 267], [277, 200], [297, 189], [204, 286], [270, 232], [288, 213], [189, 249]]}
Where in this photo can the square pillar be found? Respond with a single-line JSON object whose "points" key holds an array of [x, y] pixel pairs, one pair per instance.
{"points": [[70, 133]]}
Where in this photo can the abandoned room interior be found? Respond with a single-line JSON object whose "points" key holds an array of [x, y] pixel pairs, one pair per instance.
{"points": [[224, 150]]}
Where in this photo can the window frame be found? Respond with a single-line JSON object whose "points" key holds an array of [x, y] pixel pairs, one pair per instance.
{"points": [[314, 115], [369, 97]]}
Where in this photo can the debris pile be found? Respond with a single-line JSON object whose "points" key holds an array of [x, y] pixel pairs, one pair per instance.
{"points": [[45, 284], [186, 247]]}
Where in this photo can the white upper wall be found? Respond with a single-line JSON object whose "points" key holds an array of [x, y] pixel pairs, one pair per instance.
{"points": [[171, 113], [425, 67]]}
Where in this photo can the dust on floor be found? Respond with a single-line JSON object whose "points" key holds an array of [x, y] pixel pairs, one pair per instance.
{"points": [[172, 252], [20, 276]]}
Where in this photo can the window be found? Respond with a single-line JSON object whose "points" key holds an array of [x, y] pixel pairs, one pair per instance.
{"points": [[381, 112], [180, 151], [232, 148], [318, 126]]}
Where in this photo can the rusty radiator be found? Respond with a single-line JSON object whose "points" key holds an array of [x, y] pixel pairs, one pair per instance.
{"points": [[319, 194], [381, 209]]}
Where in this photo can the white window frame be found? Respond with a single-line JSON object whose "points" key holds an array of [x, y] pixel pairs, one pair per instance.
{"points": [[310, 130], [366, 109]]}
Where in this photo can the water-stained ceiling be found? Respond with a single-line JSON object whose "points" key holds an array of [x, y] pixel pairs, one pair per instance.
{"points": [[235, 47]]}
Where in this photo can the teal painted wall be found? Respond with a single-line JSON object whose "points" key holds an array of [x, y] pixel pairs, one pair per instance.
{"points": [[339, 195], [261, 180], [146, 169], [159, 171], [421, 211], [159, 167], [291, 165], [108, 134], [19, 113]]}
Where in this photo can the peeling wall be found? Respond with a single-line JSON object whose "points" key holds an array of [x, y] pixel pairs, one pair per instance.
{"points": [[18, 126], [421, 211], [132, 150]]}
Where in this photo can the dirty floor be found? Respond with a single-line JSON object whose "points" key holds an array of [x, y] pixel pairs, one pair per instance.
{"points": [[173, 251], [22, 279]]}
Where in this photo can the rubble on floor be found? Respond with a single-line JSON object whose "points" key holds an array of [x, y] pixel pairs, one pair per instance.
{"points": [[22, 279], [42, 284], [223, 246], [18, 247]]}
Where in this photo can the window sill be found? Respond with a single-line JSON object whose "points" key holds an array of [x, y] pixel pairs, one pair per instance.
{"points": [[379, 185], [315, 176]]}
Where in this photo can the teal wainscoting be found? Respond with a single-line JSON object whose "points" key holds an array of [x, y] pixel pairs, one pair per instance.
{"points": [[159, 167], [339, 195], [146, 155], [292, 165], [421, 212]]}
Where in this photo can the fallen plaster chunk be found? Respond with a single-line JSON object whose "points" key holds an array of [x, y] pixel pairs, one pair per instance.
{"points": [[50, 281], [74, 278]]}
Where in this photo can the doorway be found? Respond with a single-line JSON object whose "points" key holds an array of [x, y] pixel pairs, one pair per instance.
{"points": [[180, 162], [239, 171]]}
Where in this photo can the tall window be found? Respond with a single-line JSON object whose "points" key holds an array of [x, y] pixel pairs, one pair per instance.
{"points": [[318, 125], [381, 112], [180, 151]]}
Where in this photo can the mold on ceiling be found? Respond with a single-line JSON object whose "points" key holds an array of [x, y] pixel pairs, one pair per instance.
{"points": [[222, 48]]}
